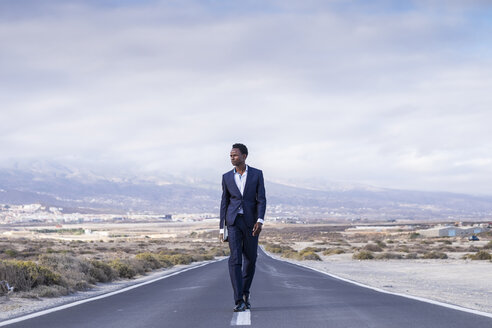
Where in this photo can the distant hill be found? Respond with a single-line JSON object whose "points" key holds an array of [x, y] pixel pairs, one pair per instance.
{"points": [[87, 192]]}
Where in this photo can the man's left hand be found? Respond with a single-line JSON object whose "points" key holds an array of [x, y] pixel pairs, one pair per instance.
{"points": [[257, 229]]}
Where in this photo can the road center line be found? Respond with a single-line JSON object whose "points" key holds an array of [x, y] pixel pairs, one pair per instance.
{"points": [[241, 318]]}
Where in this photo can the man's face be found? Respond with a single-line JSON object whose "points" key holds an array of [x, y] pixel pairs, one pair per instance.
{"points": [[237, 158]]}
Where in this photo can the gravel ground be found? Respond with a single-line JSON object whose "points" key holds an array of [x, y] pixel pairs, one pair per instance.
{"points": [[459, 282]]}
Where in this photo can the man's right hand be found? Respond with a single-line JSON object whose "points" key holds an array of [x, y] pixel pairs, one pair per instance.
{"points": [[221, 237]]}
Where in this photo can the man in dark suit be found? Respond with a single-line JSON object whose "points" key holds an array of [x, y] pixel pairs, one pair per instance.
{"points": [[242, 210]]}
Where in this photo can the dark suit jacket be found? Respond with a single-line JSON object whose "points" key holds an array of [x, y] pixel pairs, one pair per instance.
{"points": [[253, 200]]}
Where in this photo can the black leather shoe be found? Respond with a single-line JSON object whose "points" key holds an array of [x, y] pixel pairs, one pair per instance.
{"points": [[240, 307], [246, 301]]}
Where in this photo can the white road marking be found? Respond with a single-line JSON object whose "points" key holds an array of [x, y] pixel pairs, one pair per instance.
{"points": [[61, 307], [241, 318], [421, 299]]}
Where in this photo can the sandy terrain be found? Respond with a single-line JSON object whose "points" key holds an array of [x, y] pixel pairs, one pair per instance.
{"points": [[459, 282]]}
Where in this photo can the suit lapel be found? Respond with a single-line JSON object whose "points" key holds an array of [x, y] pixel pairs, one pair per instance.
{"points": [[249, 178], [232, 181]]}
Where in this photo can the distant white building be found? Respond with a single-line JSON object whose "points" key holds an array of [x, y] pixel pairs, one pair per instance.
{"points": [[451, 231]]}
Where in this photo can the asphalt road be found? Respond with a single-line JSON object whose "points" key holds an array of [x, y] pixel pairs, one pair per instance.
{"points": [[283, 295]]}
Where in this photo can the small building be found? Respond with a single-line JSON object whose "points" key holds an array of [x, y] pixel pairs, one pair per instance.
{"points": [[451, 231]]}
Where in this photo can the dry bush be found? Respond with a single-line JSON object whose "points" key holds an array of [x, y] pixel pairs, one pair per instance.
{"points": [[101, 271], [73, 270], [435, 255], [446, 249], [333, 251], [411, 256], [181, 259], [12, 253], [389, 256], [480, 255], [311, 249], [309, 255], [373, 248], [150, 261], [381, 243], [363, 255], [125, 268], [26, 275], [291, 255], [403, 249], [419, 249], [219, 251], [277, 249]]}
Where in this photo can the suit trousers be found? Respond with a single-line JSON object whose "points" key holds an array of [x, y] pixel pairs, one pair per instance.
{"points": [[242, 260]]}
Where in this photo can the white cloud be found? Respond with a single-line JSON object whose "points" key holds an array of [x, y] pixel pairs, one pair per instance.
{"points": [[373, 93]]}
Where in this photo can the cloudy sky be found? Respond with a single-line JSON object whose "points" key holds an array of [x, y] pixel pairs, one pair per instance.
{"points": [[388, 93]]}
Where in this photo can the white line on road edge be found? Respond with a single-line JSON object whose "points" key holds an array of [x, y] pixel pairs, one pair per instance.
{"points": [[69, 305], [241, 318], [417, 298]]}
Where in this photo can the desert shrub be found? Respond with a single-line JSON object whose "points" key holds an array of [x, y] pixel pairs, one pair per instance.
{"points": [[219, 251], [381, 244], [11, 253], [373, 248], [411, 256], [481, 255], [181, 259], [389, 256], [174, 259], [435, 255], [414, 235], [150, 261], [309, 255], [472, 249], [390, 241], [101, 272], [403, 249], [291, 254], [202, 257], [446, 249], [363, 255], [277, 248], [283, 250], [332, 251], [74, 270], [26, 275], [124, 269], [311, 249], [446, 241], [273, 248]]}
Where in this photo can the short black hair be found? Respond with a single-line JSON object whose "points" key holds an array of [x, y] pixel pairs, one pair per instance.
{"points": [[242, 148]]}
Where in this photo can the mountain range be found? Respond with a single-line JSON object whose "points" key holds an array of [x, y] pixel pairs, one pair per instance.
{"points": [[84, 191]]}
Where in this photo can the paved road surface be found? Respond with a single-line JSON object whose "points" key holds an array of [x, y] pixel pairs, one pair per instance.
{"points": [[283, 295]]}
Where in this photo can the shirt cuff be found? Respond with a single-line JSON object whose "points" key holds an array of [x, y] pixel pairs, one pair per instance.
{"points": [[261, 220], [222, 230]]}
